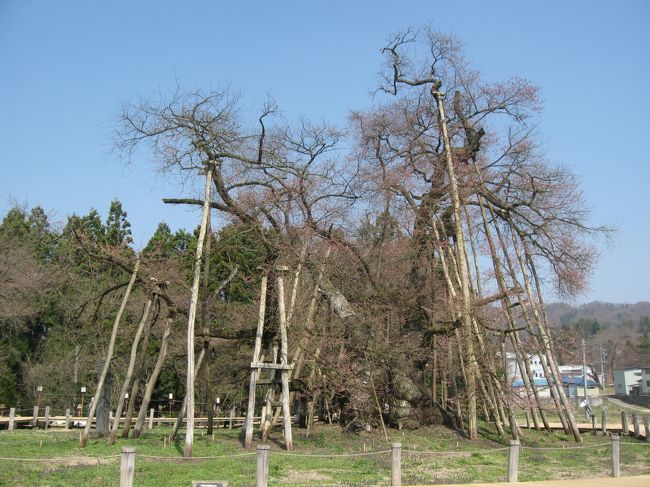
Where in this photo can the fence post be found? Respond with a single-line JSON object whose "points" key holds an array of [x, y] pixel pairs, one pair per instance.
{"points": [[127, 466], [625, 429], [35, 417], [232, 418], [262, 471], [647, 429], [635, 423], [67, 418], [150, 425], [616, 456], [513, 461], [396, 464], [604, 422], [47, 416], [12, 416], [527, 420]]}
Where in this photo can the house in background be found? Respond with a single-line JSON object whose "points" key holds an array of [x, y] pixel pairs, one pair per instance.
{"points": [[627, 379], [543, 389], [644, 384], [574, 387]]}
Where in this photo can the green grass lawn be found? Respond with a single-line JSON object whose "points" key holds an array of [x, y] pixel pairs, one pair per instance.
{"points": [[430, 455]]}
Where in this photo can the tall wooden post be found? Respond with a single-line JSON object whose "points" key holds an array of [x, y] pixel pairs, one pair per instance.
{"points": [[67, 418], [616, 456], [12, 418], [284, 359], [396, 464], [262, 469], [603, 425], [624, 425], [35, 417], [646, 427], [636, 426], [250, 412], [191, 320], [47, 417], [150, 425], [127, 466], [513, 461]]}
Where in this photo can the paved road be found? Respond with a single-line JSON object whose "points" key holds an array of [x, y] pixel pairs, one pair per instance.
{"points": [[637, 481]]}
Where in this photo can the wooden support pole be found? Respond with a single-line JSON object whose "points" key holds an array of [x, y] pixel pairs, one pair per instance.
{"points": [[625, 426], [191, 318], [284, 359], [151, 412], [635, 424], [231, 419], [67, 418], [127, 466], [527, 420], [262, 470], [35, 417], [12, 418], [47, 416], [396, 464], [250, 411], [616, 456], [513, 461], [646, 427], [603, 421]]}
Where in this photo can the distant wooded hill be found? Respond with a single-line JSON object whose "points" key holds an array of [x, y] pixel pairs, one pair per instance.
{"points": [[604, 313], [621, 332]]}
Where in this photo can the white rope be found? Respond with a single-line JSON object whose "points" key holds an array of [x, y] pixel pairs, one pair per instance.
{"points": [[599, 445], [184, 459], [59, 459], [332, 455], [467, 452]]}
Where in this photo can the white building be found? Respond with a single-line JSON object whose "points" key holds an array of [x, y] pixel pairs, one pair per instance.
{"points": [[626, 379]]}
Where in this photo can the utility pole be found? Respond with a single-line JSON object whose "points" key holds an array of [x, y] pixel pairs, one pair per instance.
{"points": [[584, 379], [603, 356]]}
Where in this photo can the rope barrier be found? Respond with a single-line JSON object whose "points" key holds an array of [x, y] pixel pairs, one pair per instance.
{"points": [[599, 445], [331, 455], [184, 459], [58, 459], [435, 452]]}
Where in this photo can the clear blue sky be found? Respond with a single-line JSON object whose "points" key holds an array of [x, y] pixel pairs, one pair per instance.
{"points": [[66, 67]]}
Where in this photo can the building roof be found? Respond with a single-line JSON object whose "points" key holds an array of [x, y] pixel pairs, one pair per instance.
{"points": [[542, 382]]}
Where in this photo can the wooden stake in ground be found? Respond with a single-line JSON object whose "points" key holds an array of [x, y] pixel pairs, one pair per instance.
{"points": [[189, 391], [83, 440]]}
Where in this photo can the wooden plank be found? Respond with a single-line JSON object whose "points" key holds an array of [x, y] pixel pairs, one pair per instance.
{"points": [[272, 366]]}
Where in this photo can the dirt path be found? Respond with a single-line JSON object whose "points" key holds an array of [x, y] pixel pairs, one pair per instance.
{"points": [[637, 481]]}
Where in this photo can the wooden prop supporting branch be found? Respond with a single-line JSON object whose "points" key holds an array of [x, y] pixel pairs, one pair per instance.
{"points": [[255, 373], [189, 391], [83, 440], [472, 432], [129, 373], [153, 378]]}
